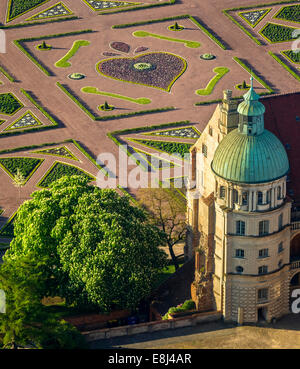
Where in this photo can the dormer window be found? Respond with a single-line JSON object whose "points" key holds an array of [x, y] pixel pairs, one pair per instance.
{"points": [[222, 192]]}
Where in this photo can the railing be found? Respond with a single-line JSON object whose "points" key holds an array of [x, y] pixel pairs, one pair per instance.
{"points": [[295, 225], [295, 264]]}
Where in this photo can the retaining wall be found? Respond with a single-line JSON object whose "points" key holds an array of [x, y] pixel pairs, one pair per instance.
{"points": [[149, 327]]}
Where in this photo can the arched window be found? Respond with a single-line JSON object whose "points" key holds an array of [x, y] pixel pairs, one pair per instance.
{"points": [[279, 193], [268, 196], [259, 197]]}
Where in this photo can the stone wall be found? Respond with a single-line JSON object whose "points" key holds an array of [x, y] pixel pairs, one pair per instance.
{"points": [[128, 330]]}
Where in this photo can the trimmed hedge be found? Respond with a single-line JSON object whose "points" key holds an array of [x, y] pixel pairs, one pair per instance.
{"points": [[275, 33], [94, 117], [285, 66], [256, 40], [9, 104], [251, 71], [184, 16], [59, 170], [170, 2], [289, 13], [29, 24], [17, 8], [7, 75], [27, 166]]}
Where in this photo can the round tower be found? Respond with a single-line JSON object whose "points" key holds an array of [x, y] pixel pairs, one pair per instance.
{"points": [[252, 217]]}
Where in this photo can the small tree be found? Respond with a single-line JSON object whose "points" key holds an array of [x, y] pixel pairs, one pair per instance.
{"points": [[19, 180], [168, 213]]}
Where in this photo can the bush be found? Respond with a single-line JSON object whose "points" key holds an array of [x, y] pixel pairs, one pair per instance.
{"points": [[181, 308]]}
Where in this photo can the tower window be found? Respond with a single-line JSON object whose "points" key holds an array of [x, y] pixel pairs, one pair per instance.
{"points": [[280, 222], [210, 130], [280, 263], [204, 150], [239, 253], [279, 193], [280, 247], [245, 198], [222, 192], [263, 269], [263, 227], [263, 253], [240, 227], [235, 196], [262, 294], [268, 196], [259, 197], [239, 269]]}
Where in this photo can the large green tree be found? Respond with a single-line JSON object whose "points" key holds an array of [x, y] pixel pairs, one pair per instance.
{"points": [[96, 248], [26, 322]]}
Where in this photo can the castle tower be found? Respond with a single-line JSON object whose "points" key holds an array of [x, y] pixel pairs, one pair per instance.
{"points": [[242, 268]]}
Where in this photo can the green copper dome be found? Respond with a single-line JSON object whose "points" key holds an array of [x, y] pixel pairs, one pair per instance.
{"points": [[250, 159], [250, 153]]}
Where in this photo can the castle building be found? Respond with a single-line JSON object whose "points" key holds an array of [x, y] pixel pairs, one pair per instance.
{"points": [[239, 214]]}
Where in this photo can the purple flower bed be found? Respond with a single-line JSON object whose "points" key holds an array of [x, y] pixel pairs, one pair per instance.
{"points": [[140, 49], [109, 54], [120, 46], [166, 68]]}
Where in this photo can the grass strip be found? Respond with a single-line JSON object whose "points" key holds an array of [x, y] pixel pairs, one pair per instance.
{"points": [[7, 75], [108, 117], [184, 16], [64, 61], [94, 90], [220, 72], [191, 44]]}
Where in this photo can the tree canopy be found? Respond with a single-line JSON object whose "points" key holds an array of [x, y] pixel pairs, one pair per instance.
{"points": [[97, 249]]}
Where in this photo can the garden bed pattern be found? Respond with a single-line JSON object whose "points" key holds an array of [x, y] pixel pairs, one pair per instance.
{"points": [[57, 10], [289, 13], [100, 5], [59, 170], [186, 132], [9, 104], [164, 69], [254, 17], [27, 120], [26, 166], [16, 8], [57, 151]]}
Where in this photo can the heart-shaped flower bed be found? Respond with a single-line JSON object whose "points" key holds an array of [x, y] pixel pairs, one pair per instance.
{"points": [[157, 69]]}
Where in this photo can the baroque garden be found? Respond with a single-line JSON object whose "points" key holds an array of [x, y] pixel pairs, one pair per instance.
{"points": [[82, 78]]}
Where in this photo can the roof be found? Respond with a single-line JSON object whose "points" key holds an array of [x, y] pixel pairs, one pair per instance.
{"points": [[251, 105], [246, 158], [251, 155], [281, 119]]}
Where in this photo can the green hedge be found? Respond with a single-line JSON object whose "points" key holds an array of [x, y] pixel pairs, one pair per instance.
{"points": [[29, 24], [256, 40], [181, 308], [108, 117], [9, 104], [177, 17], [285, 66], [26, 166], [59, 170], [275, 33], [289, 13], [170, 2], [251, 71], [17, 8], [7, 75]]}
